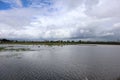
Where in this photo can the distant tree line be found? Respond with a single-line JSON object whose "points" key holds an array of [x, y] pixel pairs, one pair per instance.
{"points": [[59, 42]]}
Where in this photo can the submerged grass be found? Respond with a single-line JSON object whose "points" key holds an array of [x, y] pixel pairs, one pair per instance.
{"points": [[14, 49], [19, 49], [2, 48]]}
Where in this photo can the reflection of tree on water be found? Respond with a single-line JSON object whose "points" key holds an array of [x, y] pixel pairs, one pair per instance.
{"points": [[118, 78]]}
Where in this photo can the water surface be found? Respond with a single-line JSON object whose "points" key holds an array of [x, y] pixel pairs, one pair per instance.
{"points": [[71, 62]]}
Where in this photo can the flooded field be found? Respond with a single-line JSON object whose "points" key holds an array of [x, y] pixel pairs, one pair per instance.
{"points": [[70, 62]]}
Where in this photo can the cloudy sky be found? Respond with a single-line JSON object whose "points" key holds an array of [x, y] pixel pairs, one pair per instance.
{"points": [[60, 19]]}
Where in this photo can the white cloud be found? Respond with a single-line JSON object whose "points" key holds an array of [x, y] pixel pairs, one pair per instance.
{"points": [[105, 8], [63, 19]]}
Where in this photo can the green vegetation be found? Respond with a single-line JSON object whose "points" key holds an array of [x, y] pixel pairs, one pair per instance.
{"points": [[59, 42]]}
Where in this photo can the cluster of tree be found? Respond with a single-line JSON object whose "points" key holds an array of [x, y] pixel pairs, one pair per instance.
{"points": [[5, 40]]}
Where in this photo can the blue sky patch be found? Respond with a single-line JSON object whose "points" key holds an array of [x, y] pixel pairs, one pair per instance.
{"points": [[4, 6], [26, 3], [41, 3]]}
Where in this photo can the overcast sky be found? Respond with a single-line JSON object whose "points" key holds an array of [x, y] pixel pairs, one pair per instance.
{"points": [[60, 19]]}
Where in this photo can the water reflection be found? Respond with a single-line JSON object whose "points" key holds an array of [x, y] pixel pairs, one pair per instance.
{"points": [[74, 62]]}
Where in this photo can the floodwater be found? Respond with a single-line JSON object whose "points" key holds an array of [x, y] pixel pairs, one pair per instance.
{"points": [[70, 62]]}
